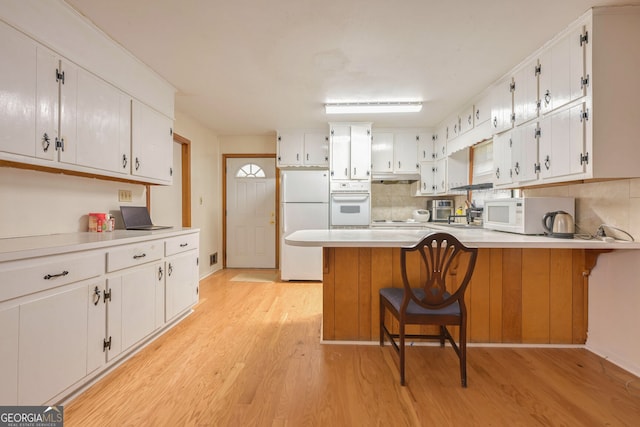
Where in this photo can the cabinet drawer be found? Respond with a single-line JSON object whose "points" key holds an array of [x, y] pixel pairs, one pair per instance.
{"points": [[132, 255], [179, 244], [29, 276]]}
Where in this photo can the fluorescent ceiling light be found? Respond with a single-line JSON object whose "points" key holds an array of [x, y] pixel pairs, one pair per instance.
{"points": [[372, 107]]}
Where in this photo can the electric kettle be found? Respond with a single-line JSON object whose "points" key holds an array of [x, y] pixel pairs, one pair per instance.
{"points": [[558, 224]]}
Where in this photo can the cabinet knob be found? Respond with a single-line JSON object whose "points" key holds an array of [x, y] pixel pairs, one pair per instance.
{"points": [[547, 97], [137, 163], [160, 272], [96, 295], [124, 161], [547, 162]]}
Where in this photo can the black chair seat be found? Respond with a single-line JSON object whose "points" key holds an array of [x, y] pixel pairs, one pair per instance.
{"points": [[395, 296]]}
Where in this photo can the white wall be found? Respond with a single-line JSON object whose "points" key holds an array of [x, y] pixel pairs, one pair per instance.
{"points": [[36, 203], [206, 188]]}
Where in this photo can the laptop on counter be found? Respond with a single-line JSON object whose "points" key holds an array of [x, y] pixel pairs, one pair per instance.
{"points": [[138, 218]]}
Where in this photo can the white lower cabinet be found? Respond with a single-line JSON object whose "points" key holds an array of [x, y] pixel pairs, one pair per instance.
{"points": [[54, 336], [83, 311], [9, 324]]}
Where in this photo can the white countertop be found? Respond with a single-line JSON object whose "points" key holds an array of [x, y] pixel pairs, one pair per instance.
{"points": [[34, 246], [473, 237]]}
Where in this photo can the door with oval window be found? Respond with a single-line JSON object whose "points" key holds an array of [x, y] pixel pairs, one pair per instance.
{"points": [[250, 216]]}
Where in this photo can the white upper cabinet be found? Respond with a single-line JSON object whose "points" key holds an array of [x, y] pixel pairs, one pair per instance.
{"points": [[151, 144], [290, 147], [316, 149], [562, 77], [502, 146], [300, 148], [466, 122], [561, 146], [350, 151], [96, 122], [525, 93], [425, 146], [440, 143], [382, 148], [502, 105], [17, 93], [482, 110]]}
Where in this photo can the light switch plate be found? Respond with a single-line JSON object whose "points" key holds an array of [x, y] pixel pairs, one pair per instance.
{"points": [[124, 195]]}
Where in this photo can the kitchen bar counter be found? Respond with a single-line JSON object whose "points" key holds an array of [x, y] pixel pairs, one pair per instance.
{"points": [[470, 236], [524, 290]]}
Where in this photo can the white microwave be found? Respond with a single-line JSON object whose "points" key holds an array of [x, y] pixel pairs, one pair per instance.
{"points": [[523, 215]]}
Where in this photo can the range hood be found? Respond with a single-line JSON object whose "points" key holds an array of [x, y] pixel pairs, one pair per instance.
{"points": [[471, 187], [396, 178]]}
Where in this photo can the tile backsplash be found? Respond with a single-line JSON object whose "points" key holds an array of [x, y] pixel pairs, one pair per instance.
{"points": [[615, 203]]}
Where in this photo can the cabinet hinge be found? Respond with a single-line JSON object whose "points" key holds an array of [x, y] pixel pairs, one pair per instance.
{"points": [[537, 132], [512, 86], [536, 167], [197, 261], [331, 132], [106, 344], [417, 137], [59, 76], [538, 69], [170, 171], [584, 159], [584, 38], [279, 138], [584, 115], [368, 132], [107, 295], [60, 144], [513, 117], [584, 81], [171, 131]]}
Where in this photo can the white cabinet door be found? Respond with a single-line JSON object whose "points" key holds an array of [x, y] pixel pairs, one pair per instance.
{"points": [[17, 93], [290, 148], [340, 152], [9, 327], [151, 144], [502, 106], [47, 104], [427, 177], [53, 344], [525, 94], [382, 147], [502, 159], [360, 152], [440, 144], [405, 151], [425, 146], [482, 110], [97, 135], [466, 119], [561, 72], [561, 143], [440, 176], [316, 149], [139, 303], [181, 283], [525, 149], [97, 326]]}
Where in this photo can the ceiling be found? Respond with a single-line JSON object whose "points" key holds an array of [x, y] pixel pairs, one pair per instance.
{"points": [[250, 67]]}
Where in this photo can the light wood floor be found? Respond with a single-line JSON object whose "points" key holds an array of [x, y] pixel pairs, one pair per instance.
{"points": [[250, 355]]}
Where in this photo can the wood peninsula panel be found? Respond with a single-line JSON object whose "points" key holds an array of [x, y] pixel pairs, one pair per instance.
{"points": [[515, 295]]}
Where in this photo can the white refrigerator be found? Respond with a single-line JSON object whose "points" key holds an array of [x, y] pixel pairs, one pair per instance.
{"points": [[304, 204]]}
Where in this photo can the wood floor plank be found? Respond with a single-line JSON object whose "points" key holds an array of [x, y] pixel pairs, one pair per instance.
{"points": [[250, 355]]}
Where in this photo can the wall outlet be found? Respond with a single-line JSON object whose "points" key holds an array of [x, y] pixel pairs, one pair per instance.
{"points": [[213, 258], [124, 195]]}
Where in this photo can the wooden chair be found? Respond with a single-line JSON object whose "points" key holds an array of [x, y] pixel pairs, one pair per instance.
{"points": [[428, 302]]}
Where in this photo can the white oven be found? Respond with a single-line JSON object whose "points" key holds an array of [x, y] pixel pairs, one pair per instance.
{"points": [[350, 204]]}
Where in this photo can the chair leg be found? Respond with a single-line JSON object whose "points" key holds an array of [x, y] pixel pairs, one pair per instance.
{"points": [[382, 313], [402, 352], [442, 336], [463, 352]]}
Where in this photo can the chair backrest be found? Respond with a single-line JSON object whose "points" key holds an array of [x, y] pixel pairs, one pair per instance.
{"points": [[442, 255]]}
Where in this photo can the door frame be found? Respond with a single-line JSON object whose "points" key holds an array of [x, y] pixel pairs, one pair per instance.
{"points": [[224, 201], [185, 145]]}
